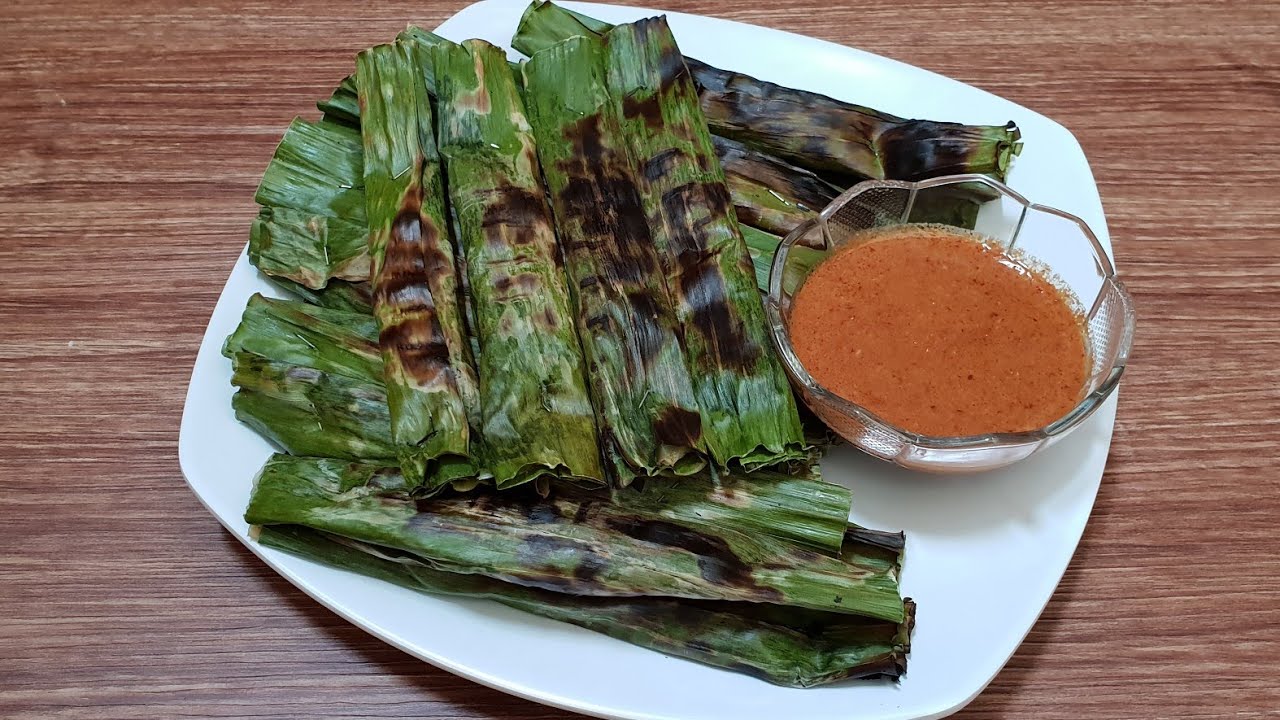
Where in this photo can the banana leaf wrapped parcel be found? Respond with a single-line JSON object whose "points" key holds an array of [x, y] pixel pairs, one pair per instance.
{"points": [[537, 421], [649, 418], [431, 385]]}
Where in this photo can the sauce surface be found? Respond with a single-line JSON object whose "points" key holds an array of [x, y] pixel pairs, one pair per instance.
{"points": [[939, 334]]}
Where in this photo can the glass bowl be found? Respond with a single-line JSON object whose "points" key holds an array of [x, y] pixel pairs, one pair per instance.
{"points": [[1057, 244]]}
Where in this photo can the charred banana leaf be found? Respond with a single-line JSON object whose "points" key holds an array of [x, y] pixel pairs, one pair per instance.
{"points": [[748, 411], [798, 507], [573, 543], [309, 379], [769, 194], [536, 415], [300, 333], [849, 142], [431, 386], [785, 646], [647, 413], [840, 140], [761, 194], [774, 196]]}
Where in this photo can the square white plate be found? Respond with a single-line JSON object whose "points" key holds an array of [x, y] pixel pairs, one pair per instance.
{"points": [[984, 553]]}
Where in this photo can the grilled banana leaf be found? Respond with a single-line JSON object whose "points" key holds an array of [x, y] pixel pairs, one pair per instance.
{"points": [[842, 141], [572, 542], [308, 248], [309, 379], [784, 646], [748, 411], [536, 415], [849, 142], [769, 194], [798, 507], [430, 41], [312, 223], [648, 416], [431, 388], [353, 297], [311, 412], [299, 333], [316, 168], [764, 246], [343, 106], [762, 194], [776, 197]]}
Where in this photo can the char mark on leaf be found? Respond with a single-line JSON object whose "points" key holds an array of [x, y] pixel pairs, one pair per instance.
{"points": [[419, 346], [663, 163], [678, 427], [701, 282], [717, 563], [515, 212], [648, 109], [551, 553]]}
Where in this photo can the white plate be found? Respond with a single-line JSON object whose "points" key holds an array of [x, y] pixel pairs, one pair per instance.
{"points": [[984, 553]]}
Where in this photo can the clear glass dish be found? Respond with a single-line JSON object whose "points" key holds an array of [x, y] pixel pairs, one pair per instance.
{"points": [[1053, 242]]}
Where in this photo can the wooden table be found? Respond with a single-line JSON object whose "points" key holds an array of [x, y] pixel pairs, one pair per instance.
{"points": [[133, 138]]}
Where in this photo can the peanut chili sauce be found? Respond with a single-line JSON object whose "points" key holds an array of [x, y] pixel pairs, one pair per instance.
{"points": [[940, 334]]}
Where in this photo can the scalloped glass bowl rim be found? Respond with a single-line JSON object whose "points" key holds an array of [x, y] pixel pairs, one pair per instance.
{"points": [[1053, 431]]}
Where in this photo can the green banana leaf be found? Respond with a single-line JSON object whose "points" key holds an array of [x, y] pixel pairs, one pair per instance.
{"points": [[536, 415], [317, 167], [748, 411], [299, 333], [797, 507], [783, 645], [431, 387], [843, 141], [312, 224], [356, 297], [308, 248], [310, 412], [571, 542], [343, 105], [648, 416], [762, 246]]}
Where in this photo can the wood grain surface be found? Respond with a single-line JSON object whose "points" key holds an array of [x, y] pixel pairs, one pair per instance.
{"points": [[133, 138]]}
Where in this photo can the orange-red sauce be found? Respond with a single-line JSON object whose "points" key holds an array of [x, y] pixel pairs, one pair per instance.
{"points": [[939, 334]]}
